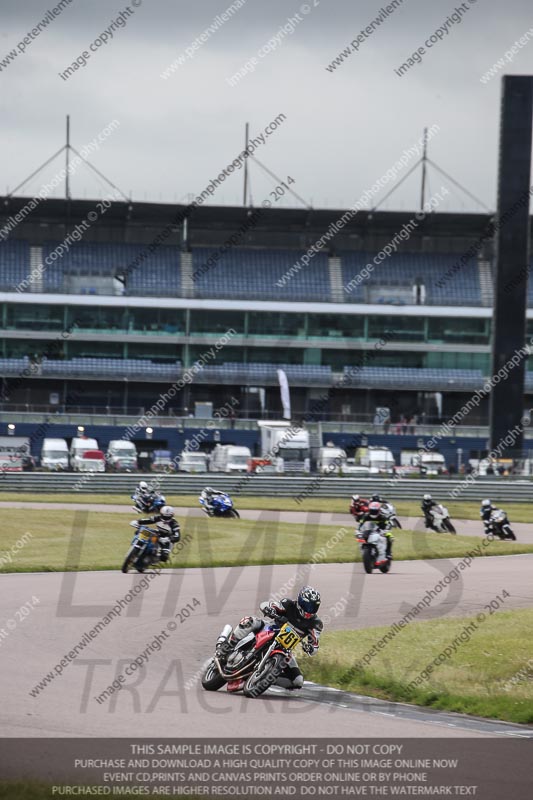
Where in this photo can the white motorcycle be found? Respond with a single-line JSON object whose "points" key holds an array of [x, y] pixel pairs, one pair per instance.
{"points": [[389, 511], [499, 526], [441, 521]]}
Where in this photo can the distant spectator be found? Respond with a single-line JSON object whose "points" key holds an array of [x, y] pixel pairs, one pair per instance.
{"points": [[377, 422], [403, 420], [386, 425], [490, 470], [452, 470], [398, 428], [412, 424]]}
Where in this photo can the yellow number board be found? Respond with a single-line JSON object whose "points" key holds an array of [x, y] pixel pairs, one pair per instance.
{"points": [[144, 537], [287, 637]]}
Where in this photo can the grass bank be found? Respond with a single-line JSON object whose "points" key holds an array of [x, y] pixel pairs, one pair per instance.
{"points": [[489, 675]]}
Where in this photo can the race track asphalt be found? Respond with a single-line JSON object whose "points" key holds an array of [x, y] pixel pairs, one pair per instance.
{"points": [[164, 697]]}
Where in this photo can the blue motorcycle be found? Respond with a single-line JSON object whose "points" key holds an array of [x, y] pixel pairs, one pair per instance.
{"points": [[145, 549], [221, 506], [148, 505]]}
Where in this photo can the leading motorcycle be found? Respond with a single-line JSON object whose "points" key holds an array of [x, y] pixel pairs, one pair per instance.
{"points": [[221, 506], [368, 537], [441, 519], [256, 662], [145, 548], [499, 525]]}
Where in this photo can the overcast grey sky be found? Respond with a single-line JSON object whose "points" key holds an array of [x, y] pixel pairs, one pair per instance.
{"points": [[343, 130]]}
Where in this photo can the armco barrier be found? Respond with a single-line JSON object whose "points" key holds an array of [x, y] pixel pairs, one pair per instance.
{"points": [[502, 490]]}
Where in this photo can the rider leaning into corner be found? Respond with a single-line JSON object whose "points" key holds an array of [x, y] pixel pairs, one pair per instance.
{"points": [[302, 613], [207, 494], [167, 527], [375, 514]]}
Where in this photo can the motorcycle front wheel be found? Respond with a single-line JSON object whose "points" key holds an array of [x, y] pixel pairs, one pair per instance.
{"points": [[368, 560], [396, 523], [131, 557], [261, 680], [449, 527], [211, 678], [385, 567], [509, 533], [235, 513]]}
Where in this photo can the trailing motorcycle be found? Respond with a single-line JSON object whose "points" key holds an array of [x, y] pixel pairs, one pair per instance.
{"points": [[368, 537], [145, 548], [256, 662], [498, 525], [148, 505], [440, 519], [389, 511], [221, 506]]}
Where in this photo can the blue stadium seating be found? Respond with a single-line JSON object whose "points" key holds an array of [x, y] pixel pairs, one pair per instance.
{"points": [[401, 270], [414, 378], [157, 273], [14, 264], [111, 367], [233, 372], [244, 273]]}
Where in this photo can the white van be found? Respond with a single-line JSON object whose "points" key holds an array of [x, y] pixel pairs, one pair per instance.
{"points": [[331, 460], [79, 446], [192, 461], [122, 455], [54, 454], [229, 458]]}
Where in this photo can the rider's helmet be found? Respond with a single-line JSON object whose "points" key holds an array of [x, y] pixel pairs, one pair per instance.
{"points": [[355, 498], [427, 497], [376, 498], [373, 510], [308, 602], [486, 504], [144, 489], [166, 513], [208, 490]]}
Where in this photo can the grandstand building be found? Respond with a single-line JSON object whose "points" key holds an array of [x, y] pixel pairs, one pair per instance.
{"points": [[103, 315]]}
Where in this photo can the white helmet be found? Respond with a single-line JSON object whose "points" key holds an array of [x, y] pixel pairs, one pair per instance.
{"points": [[167, 512], [355, 497], [427, 497], [485, 503], [144, 488]]}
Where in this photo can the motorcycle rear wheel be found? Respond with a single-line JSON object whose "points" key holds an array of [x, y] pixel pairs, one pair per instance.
{"points": [[368, 561], [259, 682], [211, 678]]}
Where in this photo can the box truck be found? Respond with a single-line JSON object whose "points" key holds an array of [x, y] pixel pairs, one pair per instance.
{"points": [[54, 454], [286, 445]]}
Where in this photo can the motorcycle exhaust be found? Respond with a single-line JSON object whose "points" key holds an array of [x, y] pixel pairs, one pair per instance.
{"points": [[224, 634]]}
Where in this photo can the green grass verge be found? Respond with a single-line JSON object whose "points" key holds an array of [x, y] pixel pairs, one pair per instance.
{"points": [[518, 512], [475, 680], [105, 538]]}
